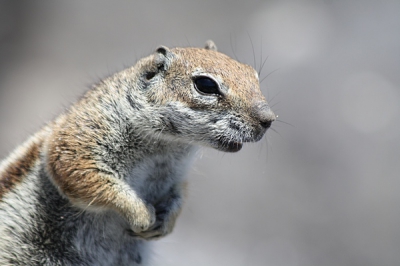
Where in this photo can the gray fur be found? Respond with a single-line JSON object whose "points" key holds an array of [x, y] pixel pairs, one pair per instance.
{"points": [[136, 132]]}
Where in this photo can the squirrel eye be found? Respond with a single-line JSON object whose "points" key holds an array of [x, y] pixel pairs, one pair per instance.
{"points": [[206, 85], [150, 75]]}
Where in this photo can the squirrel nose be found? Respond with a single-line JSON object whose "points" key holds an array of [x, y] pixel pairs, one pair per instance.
{"points": [[264, 114]]}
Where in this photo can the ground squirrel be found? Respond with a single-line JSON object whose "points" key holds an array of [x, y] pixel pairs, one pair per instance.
{"points": [[107, 175]]}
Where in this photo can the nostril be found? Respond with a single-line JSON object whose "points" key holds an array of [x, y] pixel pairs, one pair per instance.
{"points": [[265, 124]]}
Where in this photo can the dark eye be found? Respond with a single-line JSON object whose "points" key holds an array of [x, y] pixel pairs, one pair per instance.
{"points": [[150, 75], [206, 85]]}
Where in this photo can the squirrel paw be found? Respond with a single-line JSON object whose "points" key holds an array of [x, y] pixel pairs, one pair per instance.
{"points": [[142, 218], [165, 221]]}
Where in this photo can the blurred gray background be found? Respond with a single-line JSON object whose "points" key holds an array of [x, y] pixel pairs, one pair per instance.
{"points": [[321, 191]]}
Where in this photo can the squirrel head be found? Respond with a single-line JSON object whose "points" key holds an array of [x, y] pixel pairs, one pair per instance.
{"points": [[199, 95]]}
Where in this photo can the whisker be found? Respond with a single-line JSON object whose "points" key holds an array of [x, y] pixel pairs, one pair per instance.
{"points": [[261, 59], [263, 63], [260, 148], [273, 129], [233, 50], [283, 122], [273, 97], [254, 53], [269, 74], [187, 40], [266, 143], [272, 106]]}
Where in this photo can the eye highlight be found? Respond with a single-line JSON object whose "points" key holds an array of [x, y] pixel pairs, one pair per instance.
{"points": [[206, 85]]}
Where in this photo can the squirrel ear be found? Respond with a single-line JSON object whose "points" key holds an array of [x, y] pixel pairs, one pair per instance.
{"points": [[163, 50], [210, 45], [163, 57]]}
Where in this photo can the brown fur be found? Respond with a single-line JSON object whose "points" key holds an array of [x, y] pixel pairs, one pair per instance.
{"points": [[14, 173], [74, 167]]}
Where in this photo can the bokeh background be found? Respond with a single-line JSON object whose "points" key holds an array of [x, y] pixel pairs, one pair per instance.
{"points": [[321, 189]]}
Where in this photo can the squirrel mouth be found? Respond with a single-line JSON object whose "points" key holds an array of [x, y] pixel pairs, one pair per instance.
{"points": [[229, 146]]}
